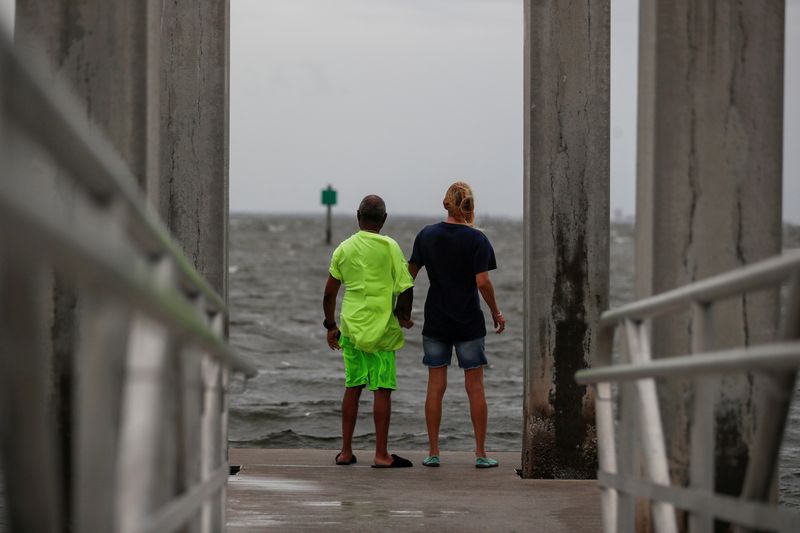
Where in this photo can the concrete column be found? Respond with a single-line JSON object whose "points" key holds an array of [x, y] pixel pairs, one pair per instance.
{"points": [[194, 132], [709, 189], [108, 51], [565, 230]]}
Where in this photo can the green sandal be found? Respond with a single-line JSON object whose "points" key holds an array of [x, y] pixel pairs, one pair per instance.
{"points": [[431, 460], [485, 462]]}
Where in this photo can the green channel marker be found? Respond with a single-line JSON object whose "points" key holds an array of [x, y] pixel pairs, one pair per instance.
{"points": [[328, 200]]}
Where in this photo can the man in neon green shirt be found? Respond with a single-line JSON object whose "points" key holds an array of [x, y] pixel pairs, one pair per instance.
{"points": [[377, 301]]}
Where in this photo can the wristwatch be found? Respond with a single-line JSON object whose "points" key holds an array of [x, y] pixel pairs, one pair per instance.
{"points": [[328, 325]]}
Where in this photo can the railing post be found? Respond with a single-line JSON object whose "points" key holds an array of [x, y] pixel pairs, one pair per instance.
{"points": [[650, 427], [211, 420], [604, 420], [191, 414], [100, 362], [627, 464], [218, 326], [99, 377], [703, 432], [628, 458], [139, 490], [775, 395]]}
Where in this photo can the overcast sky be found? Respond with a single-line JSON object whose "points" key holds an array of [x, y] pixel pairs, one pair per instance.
{"points": [[400, 97]]}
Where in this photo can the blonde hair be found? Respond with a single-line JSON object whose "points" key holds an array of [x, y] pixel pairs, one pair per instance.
{"points": [[460, 203]]}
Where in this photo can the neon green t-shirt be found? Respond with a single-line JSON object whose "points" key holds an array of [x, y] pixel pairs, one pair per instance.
{"points": [[374, 272]]}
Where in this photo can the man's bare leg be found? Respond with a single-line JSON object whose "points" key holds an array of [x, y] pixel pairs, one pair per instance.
{"points": [[437, 384], [349, 417], [382, 413], [473, 382]]}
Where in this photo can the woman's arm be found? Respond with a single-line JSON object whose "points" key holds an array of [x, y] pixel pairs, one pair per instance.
{"points": [[487, 291], [413, 270]]}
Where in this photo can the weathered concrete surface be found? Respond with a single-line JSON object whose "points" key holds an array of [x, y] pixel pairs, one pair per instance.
{"points": [[193, 194], [194, 132], [303, 490], [107, 51], [566, 228], [709, 189], [27, 452]]}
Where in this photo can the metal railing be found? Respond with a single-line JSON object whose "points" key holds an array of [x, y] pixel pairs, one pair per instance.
{"points": [[634, 414], [151, 365]]}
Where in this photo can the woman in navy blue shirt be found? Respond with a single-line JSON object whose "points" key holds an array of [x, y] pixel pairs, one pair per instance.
{"points": [[458, 259]]}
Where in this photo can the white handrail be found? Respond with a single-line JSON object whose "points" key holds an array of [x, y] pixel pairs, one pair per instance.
{"points": [[150, 328], [759, 275], [46, 236], [764, 357], [780, 359]]}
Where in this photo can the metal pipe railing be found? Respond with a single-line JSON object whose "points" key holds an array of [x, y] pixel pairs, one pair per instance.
{"points": [[748, 278], [764, 357], [146, 454], [45, 235], [778, 360]]}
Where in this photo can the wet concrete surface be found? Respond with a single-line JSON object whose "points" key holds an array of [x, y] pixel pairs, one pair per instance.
{"points": [[302, 490]]}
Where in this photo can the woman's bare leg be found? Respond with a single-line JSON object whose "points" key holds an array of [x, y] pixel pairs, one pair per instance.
{"points": [[437, 384], [473, 382]]}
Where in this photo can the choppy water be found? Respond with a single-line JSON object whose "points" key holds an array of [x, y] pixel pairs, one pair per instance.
{"points": [[278, 267], [277, 273]]}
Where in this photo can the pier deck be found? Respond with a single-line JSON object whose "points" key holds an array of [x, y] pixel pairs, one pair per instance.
{"points": [[304, 490]]}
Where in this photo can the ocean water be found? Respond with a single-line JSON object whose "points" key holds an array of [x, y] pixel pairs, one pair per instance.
{"points": [[278, 267]]}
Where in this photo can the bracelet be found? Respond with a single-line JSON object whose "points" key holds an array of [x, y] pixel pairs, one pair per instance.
{"points": [[328, 325]]}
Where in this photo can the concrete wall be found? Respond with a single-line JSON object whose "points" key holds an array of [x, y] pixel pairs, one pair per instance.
{"points": [[709, 188], [153, 75], [107, 51], [566, 228], [193, 197]]}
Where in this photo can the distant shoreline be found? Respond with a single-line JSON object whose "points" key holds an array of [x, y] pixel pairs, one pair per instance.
{"points": [[627, 220]]}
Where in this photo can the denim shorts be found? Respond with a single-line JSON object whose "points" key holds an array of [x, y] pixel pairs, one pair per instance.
{"points": [[471, 354]]}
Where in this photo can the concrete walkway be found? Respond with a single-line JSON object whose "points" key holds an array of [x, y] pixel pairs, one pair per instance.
{"points": [[303, 490]]}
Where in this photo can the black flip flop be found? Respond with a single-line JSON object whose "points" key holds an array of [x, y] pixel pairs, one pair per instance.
{"points": [[352, 460], [397, 462]]}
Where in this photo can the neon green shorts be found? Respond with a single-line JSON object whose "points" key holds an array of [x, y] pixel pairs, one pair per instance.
{"points": [[376, 370]]}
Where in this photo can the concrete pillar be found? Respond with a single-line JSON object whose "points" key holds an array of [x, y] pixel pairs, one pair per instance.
{"points": [[566, 229], [709, 190], [193, 201], [108, 51], [195, 62]]}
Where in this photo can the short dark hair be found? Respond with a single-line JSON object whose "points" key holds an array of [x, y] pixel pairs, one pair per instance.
{"points": [[372, 209]]}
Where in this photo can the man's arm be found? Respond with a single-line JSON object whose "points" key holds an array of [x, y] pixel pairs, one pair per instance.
{"points": [[402, 309], [487, 291], [329, 307]]}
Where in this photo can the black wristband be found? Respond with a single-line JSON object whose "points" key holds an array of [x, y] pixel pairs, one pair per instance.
{"points": [[328, 325]]}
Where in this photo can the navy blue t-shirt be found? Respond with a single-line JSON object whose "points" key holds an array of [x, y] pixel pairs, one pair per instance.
{"points": [[453, 254]]}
